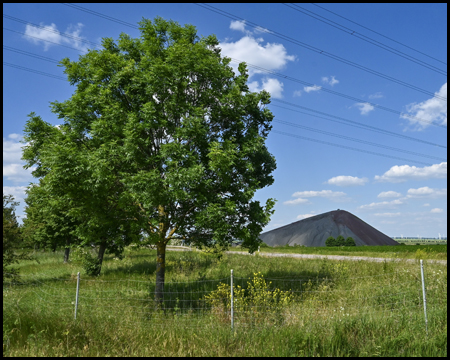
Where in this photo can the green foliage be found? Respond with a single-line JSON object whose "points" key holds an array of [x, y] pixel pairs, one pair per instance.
{"points": [[259, 300], [349, 242], [160, 137], [330, 241], [340, 241], [331, 320], [88, 261], [12, 237]]}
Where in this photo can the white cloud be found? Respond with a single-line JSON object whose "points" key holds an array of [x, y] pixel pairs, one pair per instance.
{"points": [[304, 216], [388, 194], [431, 110], [51, 33], [331, 81], [388, 214], [312, 88], [273, 86], [343, 180], [427, 204], [297, 93], [270, 56], [12, 149], [16, 173], [383, 205], [436, 211], [12, 164], [405, 172], [17, 191], [323, 193], [238, 25], [365, 108], [296, 201], [426, 192], [377, 95]]}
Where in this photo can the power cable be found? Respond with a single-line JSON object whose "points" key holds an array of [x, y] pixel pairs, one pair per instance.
{"points": [[347, 147], [327, 90], [257, 26], [376, 32], [357, 140], [340, 120], [34, 71], [308, 84], [304, 45], [22, 52], [352, 32], [35, 37], [92, 12], [280, 121], [72, 37], [356, 124], [275, 131]]}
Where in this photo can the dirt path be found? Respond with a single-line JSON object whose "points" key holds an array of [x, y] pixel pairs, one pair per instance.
{"points": [[312, 256]]}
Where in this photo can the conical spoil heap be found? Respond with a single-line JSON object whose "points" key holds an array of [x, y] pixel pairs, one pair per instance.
{"points": [[315, 230]]}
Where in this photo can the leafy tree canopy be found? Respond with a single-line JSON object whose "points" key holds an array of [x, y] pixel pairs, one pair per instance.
{"points": [[160, 136]]}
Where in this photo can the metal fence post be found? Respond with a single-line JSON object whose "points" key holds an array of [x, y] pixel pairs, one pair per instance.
{"points": [[232, 301], [76, 298], [424, 297]]}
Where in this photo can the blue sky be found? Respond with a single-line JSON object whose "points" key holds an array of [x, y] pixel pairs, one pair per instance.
{"points": [[323, 163]]}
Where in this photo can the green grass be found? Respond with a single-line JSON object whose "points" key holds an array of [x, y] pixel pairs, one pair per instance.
{"points": [[340, 308], [438, 252]]}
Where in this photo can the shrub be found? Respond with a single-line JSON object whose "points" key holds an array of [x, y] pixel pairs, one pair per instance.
{"points": [[257, 303], [340, 241], [330, 241], [350, 242]]}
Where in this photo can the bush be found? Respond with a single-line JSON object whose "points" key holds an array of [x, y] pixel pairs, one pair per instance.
{"points": [[350, 242], [331, 241], [90, 263]]}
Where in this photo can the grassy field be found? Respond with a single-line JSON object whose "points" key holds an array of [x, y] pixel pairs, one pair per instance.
{"points": [[438, 252], [283, 307]]}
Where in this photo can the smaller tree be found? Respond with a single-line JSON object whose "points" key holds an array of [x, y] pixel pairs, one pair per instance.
{"points": [[12, 237], [330, 241], [350, 242], [340, 241]]}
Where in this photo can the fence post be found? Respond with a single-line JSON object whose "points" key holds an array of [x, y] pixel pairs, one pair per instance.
{"points": [[232, 301], [424, 297], [76, 298]]}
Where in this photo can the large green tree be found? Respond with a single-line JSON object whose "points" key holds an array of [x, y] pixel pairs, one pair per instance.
{"points": [[163, 126]]}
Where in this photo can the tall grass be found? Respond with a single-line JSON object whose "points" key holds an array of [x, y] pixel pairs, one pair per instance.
{"points": [[339, 308]]}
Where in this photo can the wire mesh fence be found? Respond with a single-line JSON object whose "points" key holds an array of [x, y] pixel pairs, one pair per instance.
{"points": [[251, 302]]}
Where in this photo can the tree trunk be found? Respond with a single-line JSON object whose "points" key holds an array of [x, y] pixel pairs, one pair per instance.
{"points": [[101, 252], [67, 251], [160, 271]]}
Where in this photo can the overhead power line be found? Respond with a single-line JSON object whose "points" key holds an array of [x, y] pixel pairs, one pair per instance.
{"points": [[72, 37], [22, 52], [347, 147], [35, 37], [336, 92], [376, 32], [293, 79], [346, 96], [34, 71], [365, 142], [299, 43], [339, 120], [110, 18], [275, 131], [356, 124], [92, 12], [352, 32]]}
